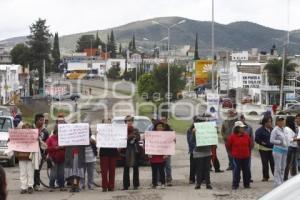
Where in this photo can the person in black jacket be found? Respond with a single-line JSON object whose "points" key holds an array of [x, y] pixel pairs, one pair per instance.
{"points": [[262, 138]]}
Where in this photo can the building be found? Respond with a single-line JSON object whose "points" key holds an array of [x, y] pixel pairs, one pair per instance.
{"points": [[9, 81], [5, 57]]}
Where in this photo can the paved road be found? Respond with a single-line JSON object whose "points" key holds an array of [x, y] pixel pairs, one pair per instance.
{"points": [[181, 189]]}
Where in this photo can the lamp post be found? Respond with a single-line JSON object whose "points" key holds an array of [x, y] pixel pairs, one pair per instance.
{"points": [[168, 28]]}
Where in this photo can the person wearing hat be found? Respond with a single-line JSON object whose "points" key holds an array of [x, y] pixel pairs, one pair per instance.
{"points": [[239, 143], [226, 131], [279, 138]]}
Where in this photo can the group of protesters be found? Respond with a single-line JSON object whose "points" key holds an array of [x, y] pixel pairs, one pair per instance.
{"points": [[70, 165], [277, 145]]}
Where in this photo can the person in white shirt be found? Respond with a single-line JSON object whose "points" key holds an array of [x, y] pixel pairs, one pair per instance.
{"points": [[291, 161]]}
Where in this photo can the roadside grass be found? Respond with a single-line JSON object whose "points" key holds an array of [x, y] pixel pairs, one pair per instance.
{"points": [[180, 126]]}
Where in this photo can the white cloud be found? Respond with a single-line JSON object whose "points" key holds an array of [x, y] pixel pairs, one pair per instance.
{"points": [[72, 16]]}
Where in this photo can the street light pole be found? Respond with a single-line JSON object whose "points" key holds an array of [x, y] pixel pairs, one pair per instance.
{"points": [[213, 47], [169, 87], [168, 57]]}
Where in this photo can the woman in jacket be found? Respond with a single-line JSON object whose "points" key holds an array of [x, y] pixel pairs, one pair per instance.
{"points": [[158, 162], [291, 161], [131, 155], [191, 145], [279, 138], [239, 143], [262, 138], [56, 154], [202, 157]]}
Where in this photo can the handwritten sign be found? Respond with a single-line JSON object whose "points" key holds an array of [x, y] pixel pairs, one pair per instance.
{"points": [[23, 140], [112, 135], [206, 134], [160, 142], [73, 134]]}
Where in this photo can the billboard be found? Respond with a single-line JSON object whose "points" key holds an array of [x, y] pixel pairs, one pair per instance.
{"points": [[202, 67]]}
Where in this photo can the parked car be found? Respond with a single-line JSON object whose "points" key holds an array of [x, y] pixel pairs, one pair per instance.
{"points": [[141, 123], [73, 97], [227, 103], [289, 190], [6, 123]]}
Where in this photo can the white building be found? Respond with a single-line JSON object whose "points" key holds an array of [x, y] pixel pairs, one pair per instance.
{"points": [[9, 81], [240, 56]]}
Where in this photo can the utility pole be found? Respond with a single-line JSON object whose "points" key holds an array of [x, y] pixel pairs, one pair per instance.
{"points": [[213, 47]]}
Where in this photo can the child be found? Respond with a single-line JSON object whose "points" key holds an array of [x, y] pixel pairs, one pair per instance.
{"points": [[239, 143], [158, 162]]}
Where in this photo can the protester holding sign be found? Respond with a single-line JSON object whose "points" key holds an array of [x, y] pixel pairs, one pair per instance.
{"points": [[239, 143], [26, 168], [131, 155], [75, 151], [201, 154], [56, 156], [109, 138], [37, 157], [158, 162]]}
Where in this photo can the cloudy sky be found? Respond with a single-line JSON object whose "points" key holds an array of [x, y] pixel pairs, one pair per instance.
{"points": [[72, 16]]}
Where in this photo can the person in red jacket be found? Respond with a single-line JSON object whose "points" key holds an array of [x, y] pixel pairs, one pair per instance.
{"points": [[240, 144], [158, 162], [56, 155]]}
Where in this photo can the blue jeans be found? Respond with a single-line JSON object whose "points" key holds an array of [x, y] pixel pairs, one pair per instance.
{"points": [[57, 174], [89, 170], [168, 169], [238, 166]]}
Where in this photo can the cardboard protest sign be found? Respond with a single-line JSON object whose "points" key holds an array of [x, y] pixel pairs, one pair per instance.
{"points": [[206, 134], [73, 134], [160, 142], [111, 135], [23, 140]]}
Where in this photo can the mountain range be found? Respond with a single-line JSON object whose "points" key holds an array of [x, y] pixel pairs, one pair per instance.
{"points": [[235, 36]]}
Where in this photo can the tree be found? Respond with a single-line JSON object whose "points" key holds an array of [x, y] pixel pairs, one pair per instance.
{"points": [[146, 85], [56, 54], [131, 46], [98, 42], [40, 47], [20, 54], [196, 54], [112, 45], [85, 42], [274, 67], [114, 72], [120, 48], [160, 74]]}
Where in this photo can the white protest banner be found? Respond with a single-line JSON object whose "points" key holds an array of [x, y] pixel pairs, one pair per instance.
{"points": [[23, 140], [111, 135], [160, 142], [206, 134], [73, 134], [213, 104]]}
